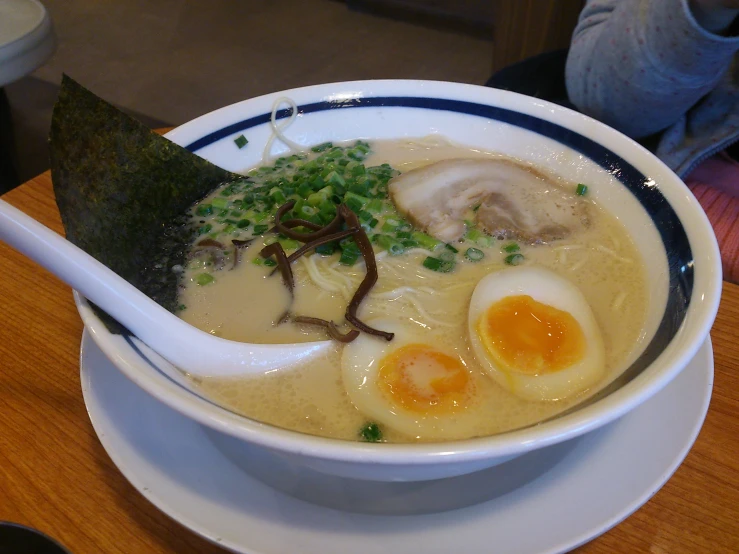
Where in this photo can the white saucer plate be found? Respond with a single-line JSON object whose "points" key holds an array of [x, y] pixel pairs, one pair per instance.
{"points": [[589, 485]]}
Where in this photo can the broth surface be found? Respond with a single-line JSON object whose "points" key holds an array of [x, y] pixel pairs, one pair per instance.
{"points": [[246, 302]]}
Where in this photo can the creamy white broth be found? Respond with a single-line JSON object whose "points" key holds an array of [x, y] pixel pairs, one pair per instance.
{"points": [[246, 302]]}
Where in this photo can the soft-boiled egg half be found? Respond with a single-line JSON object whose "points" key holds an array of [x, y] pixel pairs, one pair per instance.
{"points": [[535, 334], [410, 384]]}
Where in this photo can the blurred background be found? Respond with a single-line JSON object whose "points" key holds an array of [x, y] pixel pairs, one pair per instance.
{"points": [[168, 61]]}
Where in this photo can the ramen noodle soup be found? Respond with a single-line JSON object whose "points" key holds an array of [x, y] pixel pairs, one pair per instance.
{"points": [[509, 294]]}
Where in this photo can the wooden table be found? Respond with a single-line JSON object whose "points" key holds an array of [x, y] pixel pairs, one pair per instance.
{"points": [[56, 477]]}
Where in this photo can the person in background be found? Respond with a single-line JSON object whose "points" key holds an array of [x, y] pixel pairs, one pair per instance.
{"points": [[666, 72]]}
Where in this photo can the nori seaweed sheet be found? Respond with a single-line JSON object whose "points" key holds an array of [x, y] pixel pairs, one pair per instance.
{"points": [[123, 191]]}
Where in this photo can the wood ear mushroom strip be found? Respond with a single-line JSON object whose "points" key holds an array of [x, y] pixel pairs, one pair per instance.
{"points": [[318, 237], [333, 331], [365, 248], [275, 249], [285, 227]]}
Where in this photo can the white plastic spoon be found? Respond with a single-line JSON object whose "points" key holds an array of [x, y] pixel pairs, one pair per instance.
{"points": [[188, 348]]}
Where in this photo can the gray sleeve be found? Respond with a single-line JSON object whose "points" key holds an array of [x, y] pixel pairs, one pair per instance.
{"points": [[638, 65]]}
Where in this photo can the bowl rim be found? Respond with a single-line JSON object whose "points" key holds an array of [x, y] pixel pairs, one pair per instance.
{"points": [[682, 348]]}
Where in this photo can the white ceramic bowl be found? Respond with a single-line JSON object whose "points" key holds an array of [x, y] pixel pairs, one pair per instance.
{"points": [[673, 234]]}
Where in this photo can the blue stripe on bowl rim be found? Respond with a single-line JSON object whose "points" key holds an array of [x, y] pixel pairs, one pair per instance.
{"points": [[674, 238]]}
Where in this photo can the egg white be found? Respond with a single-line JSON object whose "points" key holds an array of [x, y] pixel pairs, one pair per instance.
{"points": [[545, 287], [360, 364]]}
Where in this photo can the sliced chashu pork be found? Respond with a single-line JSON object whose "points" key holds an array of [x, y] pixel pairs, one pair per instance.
{"points": [[512, 201]]}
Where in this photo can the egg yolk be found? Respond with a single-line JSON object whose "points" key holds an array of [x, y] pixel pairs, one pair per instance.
{"points": [[422, 379], [526, 336]]}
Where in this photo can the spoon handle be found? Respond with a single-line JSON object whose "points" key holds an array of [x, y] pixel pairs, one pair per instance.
{"points": [[182, 344], [77, 268]]}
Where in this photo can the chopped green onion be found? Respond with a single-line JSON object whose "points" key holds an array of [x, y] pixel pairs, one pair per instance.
{"points": [[269, 262], [581, 189], [322, 147], [425, 241], [474, 234], [511, 247], [307, 211], [373, 222], [242, 224], [220, 203], [410, 243], [326, 249], [318, 198], [450, 247], [514, 259], [364, 216], [205, 229], [356, 170], [474, 255], [374, 206], [447, 256], [335, 178], [203, 210], [278, 196], [204, 279], [259, 229], [304, 190], [390, 226], [349, 257], [436, 264], [356, 154], [241, 141], [355, 201], [485, 241], [371, 433], [393, 246], [289, 244]]}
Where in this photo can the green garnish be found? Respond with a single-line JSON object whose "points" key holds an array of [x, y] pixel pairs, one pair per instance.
{"points": [[581, 189], [204, 279], [393, 246], [203, 210], [349, 257], [514, 259], [181, 307], [269, 262], [259, 229], [241, 141], [511, 247], [437, 264], [220, 203], [427, 242], [322, 147], [450, 247], [447, 256], [474, 254], [371, 433], [479, 238], [326, 249]]}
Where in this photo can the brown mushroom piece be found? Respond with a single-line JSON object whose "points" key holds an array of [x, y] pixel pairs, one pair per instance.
{"points": [[505, 199]]}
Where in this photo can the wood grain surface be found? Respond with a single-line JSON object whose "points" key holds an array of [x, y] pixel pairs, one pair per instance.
{"points": [[56, 477]]}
